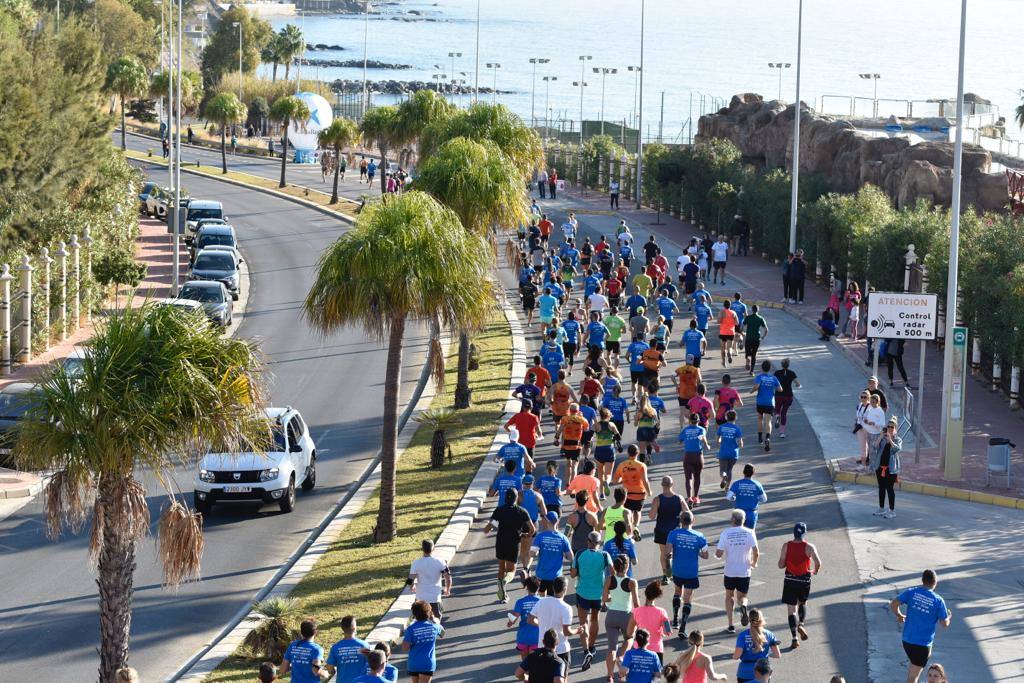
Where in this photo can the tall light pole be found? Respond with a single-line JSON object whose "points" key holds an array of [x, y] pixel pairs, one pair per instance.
{"points": [[636, 77], [547, 89], [238, 25], [582, 84], [476, 78], [780, 66], [640, 110], [452, 56], [533, 89], [796, 129], [494, 66], [177, 158], [951, 446], [366, 44], [604, 71], [874, 100]]}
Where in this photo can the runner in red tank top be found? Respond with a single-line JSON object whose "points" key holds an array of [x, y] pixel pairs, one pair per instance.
{"points": [[800, 560]]}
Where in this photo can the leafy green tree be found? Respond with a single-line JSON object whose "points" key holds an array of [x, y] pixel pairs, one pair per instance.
{"points": [[422, 109], [220, 55], [273, 54], [408, 258], [224, 110], [119, 268], [124, 33], [340, 134], [274, 627], [723, 196], [156, 388], [597, 152], [285, 110], [259, 112], [380, 127], [126, 78]]}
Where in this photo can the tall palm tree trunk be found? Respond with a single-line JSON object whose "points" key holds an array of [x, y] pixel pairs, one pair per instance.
{"points": [[284, 152], [383, 170], [223, 151], [123, 145], [337, 171], [385, 530], [115, 569], [463, 394], [273, 74]]}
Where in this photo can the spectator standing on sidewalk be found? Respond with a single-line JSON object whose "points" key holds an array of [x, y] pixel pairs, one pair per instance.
{"points": [[553, 183], [925, 610], [851, 300], [875, 390], [613, 194], [860, 430], [542, 183], [894, 355], [797, 276], [785, 277], [885, 463]]}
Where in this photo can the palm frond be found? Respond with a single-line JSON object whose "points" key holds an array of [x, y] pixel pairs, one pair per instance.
{"points": [[439, 418], [180, 544], [437, 363]]}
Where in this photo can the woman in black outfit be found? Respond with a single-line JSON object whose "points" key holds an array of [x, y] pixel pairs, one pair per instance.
{"points": [[885, 462], [894, 355]]}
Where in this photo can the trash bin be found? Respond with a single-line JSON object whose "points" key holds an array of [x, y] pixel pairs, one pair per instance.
{"points": [[999, 460]]}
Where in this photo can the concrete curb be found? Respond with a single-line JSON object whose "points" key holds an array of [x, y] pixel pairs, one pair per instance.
{"points": [[27, 490], [318, 542], [868, 479], [390, 626]]}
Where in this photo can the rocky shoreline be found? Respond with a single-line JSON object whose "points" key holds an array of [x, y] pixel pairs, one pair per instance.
{"points": [[393, 87], [355, 63], [322, 47]]}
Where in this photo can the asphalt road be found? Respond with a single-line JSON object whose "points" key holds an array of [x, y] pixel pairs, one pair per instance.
{"points": [[48, 608]]}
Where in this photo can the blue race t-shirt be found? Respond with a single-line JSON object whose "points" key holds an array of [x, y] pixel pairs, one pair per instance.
{"points": [[749, 656], [516, 452], [642, 665], [626, 252], [686, 545], [347, 658], [690, 272], [591, 284], [552, 546], [628, 550], [547, 304], [730, 434], [740, 309], [634, 302], [529, 501], [590, 415], [925, 608], [550, 488], [657, 403], [390, 674], [557, 290], [692, 339], [702, 313], [505, 481], [635, 353], [370, 678], [572, 255], [767, 384], [530, 391], [596, 332], [616, 405], [667, 307], [572, 331], [300, 655], [690, 436], [526, 633], [551, 357], [422, 636], [748, 494]]}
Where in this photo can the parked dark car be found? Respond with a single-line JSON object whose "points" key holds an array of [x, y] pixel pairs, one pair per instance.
{"points": [[15, 400], [210, 235], [213, 296], [216, 265]]}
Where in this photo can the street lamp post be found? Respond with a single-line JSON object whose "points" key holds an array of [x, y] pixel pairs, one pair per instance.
{"points": [[452, 56], [780, 66], [238, 25], [582, 84], [177, 158], [366, 44], [547, 90], [494, 66], [476, 78], [796, 129], [604, 71], [636, 78], [640, 110], [874, 100], [533, 88]]}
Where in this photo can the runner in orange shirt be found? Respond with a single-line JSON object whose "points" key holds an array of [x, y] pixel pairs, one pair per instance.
{"points": [[545, 227], [570, 434], [727, 323], [586, 481], [561, 396], [686, 379], [542, 375], [632, 474]]}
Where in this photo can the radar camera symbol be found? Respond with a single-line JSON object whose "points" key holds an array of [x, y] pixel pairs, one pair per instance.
{"points": [[880, 323]]}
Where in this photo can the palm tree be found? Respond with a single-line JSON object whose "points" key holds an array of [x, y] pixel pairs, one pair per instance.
{"points": [[1020, 111], [494, 122], [292, 45], [424, 108], [285, 110], [406, 259], [380, 126], [341, 133], [272, 53], [225, 110], [273, 627], [156, 387], [126, 78]]}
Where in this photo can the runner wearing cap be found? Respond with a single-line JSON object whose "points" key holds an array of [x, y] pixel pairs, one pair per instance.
{"points": [[738, 545], [695, 343], [925, 610], [550, 547], [633, 475], [797, 558], [570, 435], [665, 510], [515, 451], [533, 503], [687, 547], [686, 378], [589, 568], [511, 521]]}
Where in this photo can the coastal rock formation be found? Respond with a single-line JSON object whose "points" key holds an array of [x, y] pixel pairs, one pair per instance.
{"points": [[850, 158], [393, 87], [322, 47], [355, 63]]}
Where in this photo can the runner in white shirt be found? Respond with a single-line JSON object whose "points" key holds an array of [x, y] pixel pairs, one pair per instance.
{"points": [[738, 545], [552, 612], [625, 236], [430, 578], [598, 301], [719, 255]]}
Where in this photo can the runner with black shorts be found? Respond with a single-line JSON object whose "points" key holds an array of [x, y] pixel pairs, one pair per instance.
{"points": [[511, 521], [570, 435], [738, 545], [796, 558], [665, 510], [755, 329], [633, 475], [687, 547], [925, 610]]}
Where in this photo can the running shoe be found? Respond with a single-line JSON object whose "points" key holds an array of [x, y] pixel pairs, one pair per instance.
{"points": [[664, 579], [731, 629], [802, 631], [605, 489], [890, 514], [502, 595], [782, 435], [675, 621], [588, 658], [721, 484], [767, 445], [636, 535], [775, 421], [878, 513], [744, 618], [696, 501], [794, 645]]}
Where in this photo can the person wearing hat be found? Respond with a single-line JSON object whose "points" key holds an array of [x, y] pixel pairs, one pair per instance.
{"points": [[533, 503], [588, 568], [550, 547], [800, 560], [516, 452], [885, 463], [695, 344]]}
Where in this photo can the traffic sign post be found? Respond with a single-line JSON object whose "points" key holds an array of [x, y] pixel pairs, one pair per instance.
{"points": [[896, 315]]}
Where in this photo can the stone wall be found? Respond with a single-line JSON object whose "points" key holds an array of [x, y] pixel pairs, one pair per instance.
{"points": [[849, 158]]}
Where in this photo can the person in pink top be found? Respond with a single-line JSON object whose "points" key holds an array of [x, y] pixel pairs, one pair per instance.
{"points": [[700, 405], [652, 618], [726, 399], [693, 666]]}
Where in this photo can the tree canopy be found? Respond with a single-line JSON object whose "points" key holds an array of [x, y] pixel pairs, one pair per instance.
{"points": [[220, 55]]}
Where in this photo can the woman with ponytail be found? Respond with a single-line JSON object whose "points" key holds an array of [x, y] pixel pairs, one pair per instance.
{"points": [[753, 644], [693, 666]]}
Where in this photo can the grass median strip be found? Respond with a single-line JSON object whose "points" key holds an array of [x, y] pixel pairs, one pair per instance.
{"points": [[344, 206], [362, 579]]}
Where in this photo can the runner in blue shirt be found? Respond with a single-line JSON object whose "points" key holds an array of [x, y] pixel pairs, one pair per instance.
{"points": [[695, 441], [925, 610], [640, 664], [551, 548], [617, 406], [420, 642], [551, 356], [752, 645], [670, 289], [505, 480], [699, 294], [766, 385], [596, 332], [557, 289], [377, 669], [730, 441], [527, 634], [747, 494], [740, 309], [620, 545], [591, 284], [346, 659], [588, 411], [667, 308], [626, 254], [688, 547], [702, 312], [550, 488], [695, 343], [635, 302], [303, 658], [635, 353], [526, 274], [547, 303]]}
